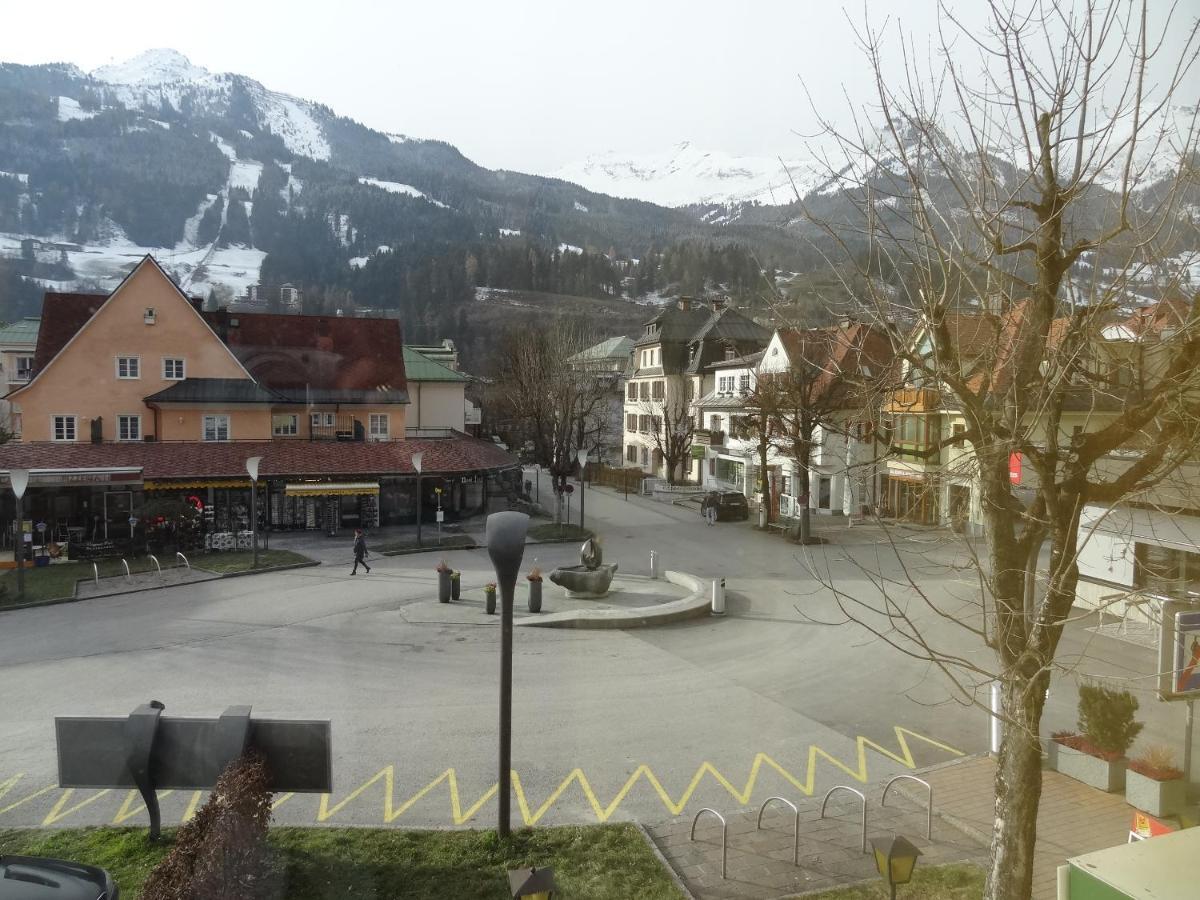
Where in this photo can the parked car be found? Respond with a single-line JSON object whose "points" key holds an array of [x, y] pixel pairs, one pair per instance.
{"points": [[731, 507], [36, 877]]}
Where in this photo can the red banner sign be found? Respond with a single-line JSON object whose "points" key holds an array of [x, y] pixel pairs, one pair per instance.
{"points": [[1014, 468]]}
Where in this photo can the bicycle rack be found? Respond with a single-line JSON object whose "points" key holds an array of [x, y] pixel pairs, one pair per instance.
{"points": [[154, 559], [125, 563], [861, 796], [185, 561], [796, 810], [724, 834], [96, 574], [928, 801]]}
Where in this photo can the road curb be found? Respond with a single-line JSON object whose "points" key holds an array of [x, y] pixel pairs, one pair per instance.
{"points": [[675, 879], [213, 576], [918, 796]]}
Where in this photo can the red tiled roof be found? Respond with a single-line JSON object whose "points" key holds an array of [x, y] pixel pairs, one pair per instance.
{"points": [[62, 316], [321, 352], [839, 352], [192, 459]]}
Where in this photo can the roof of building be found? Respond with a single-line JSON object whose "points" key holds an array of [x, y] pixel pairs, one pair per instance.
{"points": [[22, 331], [745, 361], [837, 360], [419, 367], [63, 315], [215, 390], [317, 459], [614, 348], [672, 324], [331, 354]]}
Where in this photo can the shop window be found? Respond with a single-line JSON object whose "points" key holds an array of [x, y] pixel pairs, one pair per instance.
{"points": [[173, 369], [64, 428], [216, 428], [285, 425], [129, 428], [379, 426], [129, 367]]}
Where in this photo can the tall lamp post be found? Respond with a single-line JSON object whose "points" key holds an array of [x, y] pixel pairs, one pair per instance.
{"points": [[582, 456], [19, 479], [252, 470], [506, 545], [416, 461]]}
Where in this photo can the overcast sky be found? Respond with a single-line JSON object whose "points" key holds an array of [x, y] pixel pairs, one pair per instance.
{"points": [[521, 85]]}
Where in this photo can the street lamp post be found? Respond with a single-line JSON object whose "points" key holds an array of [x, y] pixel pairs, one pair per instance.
{"points": [[252, 470], [416, 461], [506, 545], [582, 456], [19, 479]]}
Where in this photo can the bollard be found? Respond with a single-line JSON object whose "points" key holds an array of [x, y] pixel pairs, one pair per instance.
{"points": [[718, 597], [654, 572]]}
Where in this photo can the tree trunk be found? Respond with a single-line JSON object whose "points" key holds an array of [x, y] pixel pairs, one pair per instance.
{"points": [[1018, 792]]}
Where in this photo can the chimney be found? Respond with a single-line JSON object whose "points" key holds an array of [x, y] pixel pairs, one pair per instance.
{"points": [[718, 303], [685, 303]]}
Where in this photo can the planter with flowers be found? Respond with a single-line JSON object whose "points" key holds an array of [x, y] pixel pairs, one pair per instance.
{"points": [[535, 589], [443, 574], [489, 597], [1153, 784], [1095, 754]]}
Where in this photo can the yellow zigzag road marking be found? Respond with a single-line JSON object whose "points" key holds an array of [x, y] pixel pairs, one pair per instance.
{"points": [[6, 786], [58, 813], [603, 812], [129, 808]]}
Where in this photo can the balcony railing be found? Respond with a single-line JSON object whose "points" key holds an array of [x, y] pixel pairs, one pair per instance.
{"points": [[343, 428], [913, 400]]}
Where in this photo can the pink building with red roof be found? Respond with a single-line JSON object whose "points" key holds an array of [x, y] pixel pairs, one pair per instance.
{"points": [[139, 395]]}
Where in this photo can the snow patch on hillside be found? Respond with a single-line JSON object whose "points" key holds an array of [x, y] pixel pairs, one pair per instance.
{"points": [[685, 174], [157, 66], [569, 248], [244, 173], [22, 177], [510, 232], [579, 207], [395, 187], [291, 120], [69, 109]]}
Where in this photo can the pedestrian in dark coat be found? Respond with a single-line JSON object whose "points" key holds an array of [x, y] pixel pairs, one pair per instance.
{"points": [[360, 552]]}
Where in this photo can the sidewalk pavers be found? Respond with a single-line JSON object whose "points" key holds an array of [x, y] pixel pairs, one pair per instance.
{"points": [[1072, 819]]}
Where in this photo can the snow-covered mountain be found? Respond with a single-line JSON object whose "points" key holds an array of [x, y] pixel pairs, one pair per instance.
{"points": [[685, 174]]}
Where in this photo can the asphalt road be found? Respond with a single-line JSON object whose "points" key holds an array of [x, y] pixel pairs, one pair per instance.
{"points": [[645, 724]]}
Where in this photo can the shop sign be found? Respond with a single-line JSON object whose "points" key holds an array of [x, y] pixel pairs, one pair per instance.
{"points": [[74, 479], [1014, 468]]}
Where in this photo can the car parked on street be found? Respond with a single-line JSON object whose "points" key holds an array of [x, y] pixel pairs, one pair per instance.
{"points": [[731, 507]]}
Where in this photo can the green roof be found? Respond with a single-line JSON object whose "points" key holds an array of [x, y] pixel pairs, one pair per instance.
{"points": [[419, 367], [22, 331], [614, 348]]}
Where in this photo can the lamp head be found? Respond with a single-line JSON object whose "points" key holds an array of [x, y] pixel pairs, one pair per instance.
{"points": [[416, 461], [895, 858], [582, 455], [252, 467], [505, 537], [19, 479]]}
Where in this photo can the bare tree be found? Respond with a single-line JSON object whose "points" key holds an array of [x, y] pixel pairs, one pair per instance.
{"points": [[558, 408], [1018, 168], [672, 428]]}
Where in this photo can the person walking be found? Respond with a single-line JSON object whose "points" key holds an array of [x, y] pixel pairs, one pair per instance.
{"points": [[360, 551], [710, 508]]}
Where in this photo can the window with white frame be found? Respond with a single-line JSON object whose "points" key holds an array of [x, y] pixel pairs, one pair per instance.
{"points": [[645, 456], [129, 428], [285, 425], [321, 419], [631, 391], [173, 368], [24, 368], [631, 422], [379, 425], [631, 453], [644, 390], [744, 382], [658, 390], [216, 428], [63, 428], [129, 367]]}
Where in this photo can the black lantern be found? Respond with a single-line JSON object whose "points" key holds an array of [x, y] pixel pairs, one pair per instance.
{"points": [[895, 859], [533, 884]]}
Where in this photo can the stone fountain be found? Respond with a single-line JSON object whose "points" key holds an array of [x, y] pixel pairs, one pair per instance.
{"points": [[590, 579]]}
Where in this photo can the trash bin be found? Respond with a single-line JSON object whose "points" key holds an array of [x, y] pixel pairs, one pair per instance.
{"points": [[42, 878], [718, 597]]}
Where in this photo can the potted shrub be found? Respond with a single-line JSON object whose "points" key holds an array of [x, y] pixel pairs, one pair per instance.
{"points": [[443, 573], [489, 597], [1153, 784], [1096, 754], [535, 589], [455, 584]]}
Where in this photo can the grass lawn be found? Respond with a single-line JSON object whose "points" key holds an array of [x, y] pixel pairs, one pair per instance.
{"points": [[959, 881], [597, 862], [57, 581], [548, 531]]}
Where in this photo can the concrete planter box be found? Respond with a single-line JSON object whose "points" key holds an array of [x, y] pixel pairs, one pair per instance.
{"points": [[535, 596], [443, 587], [1091, 770], [1159, 798]]}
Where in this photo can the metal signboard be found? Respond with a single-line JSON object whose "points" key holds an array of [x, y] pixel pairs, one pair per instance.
{"points": [[1179, 651]]}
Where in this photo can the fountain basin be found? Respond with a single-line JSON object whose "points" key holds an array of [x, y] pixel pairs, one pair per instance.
{"points": [[583, 583]]}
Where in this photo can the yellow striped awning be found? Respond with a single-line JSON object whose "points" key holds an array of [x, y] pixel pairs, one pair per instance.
{"points": [[194, 485], [331, 488]]}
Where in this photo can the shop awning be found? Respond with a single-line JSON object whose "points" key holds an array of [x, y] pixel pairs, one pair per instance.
{"points": [[195, 485], [331, 488]]}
